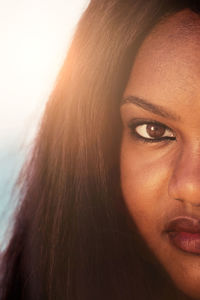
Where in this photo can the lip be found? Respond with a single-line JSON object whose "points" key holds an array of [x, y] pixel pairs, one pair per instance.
{"points": [[184, 233]]}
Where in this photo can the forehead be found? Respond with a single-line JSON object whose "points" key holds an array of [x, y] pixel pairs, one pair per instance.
{"points": [[169, 60]]}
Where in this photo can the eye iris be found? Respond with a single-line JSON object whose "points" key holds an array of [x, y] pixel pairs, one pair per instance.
{"points": [[155, 131]]}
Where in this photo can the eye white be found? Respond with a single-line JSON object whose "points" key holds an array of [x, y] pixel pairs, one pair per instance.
{"points": [[142, 131]]}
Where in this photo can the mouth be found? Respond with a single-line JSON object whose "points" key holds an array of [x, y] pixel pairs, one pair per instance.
{"points": [[184, 234]]}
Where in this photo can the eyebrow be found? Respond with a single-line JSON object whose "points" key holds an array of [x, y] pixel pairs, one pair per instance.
{"points": [[156, 109]]}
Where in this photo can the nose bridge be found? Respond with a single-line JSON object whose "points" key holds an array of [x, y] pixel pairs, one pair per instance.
{"points": [[184, 183]]}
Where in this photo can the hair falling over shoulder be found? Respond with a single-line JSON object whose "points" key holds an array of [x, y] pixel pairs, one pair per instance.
{"points": [[72, 238]]}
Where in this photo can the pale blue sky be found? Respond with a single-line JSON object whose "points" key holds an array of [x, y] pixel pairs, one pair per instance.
{"points": [[34, 37]]}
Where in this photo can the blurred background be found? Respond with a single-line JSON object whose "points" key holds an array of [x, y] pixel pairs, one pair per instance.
{"points": [[34, 38]]}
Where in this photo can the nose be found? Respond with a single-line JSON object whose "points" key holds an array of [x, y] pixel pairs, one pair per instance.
{"points": [[184, 184]]}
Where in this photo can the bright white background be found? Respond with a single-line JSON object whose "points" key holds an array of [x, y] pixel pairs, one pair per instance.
{"points": [[34, 38]]}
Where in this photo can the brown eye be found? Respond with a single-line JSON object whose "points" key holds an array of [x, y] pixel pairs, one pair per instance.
{"points": [[151, 131], [155, 131]]}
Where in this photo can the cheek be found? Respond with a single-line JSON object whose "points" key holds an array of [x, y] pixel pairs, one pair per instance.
{"points": [[144, 181]]}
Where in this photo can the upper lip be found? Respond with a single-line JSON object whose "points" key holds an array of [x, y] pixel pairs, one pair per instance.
{"points": [[183, 224]]}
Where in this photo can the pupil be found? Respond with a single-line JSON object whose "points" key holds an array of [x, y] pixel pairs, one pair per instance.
{"points": [[155, 131]]}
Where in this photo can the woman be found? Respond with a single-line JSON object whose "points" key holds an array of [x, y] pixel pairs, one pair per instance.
{"points": [[110, 209]]}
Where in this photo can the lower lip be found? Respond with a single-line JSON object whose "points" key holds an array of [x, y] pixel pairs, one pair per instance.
{"points": [[186, 241]]}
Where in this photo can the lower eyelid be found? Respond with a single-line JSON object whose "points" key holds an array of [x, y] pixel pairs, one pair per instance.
{"points": [[151, 141]]}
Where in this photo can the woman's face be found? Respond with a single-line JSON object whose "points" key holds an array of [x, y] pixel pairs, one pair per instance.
{"points": [[160, 152]]}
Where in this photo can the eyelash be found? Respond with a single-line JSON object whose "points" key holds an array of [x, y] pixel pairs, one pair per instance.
{"points": [[133, 124]]}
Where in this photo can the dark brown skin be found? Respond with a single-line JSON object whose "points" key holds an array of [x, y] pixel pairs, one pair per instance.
{"points": [[161, 180]]}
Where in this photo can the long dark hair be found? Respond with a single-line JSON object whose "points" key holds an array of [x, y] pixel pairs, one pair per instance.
{"points": [[73, 238]]}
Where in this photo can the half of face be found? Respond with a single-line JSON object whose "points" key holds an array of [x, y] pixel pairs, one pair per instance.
{"points": [[160, 151]]}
